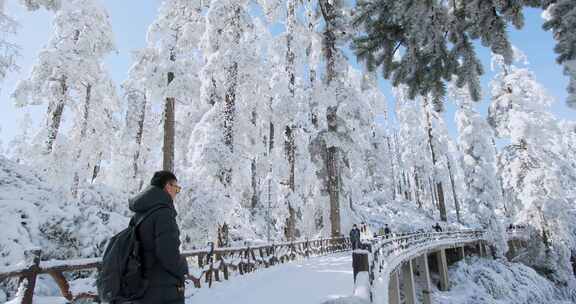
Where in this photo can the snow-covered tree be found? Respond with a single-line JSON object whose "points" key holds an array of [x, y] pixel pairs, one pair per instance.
{"points": [[537, 170], [82, 37], [175, 36], [223, 143], [332, 142], [483, 194], [436, 39], [8, 51], [82, 34], [163, 89], [414, 149], [20, 145], [560, 17], [33, 5]]}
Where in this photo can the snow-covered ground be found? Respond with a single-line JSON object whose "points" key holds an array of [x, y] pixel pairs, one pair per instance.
{"points": [[485, 281], [311, 281]]}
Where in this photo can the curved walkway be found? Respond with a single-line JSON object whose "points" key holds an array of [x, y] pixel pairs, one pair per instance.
{"points": [[309, 281]]}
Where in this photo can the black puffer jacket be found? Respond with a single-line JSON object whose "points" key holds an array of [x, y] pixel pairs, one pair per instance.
{"points": [[160, 239]]}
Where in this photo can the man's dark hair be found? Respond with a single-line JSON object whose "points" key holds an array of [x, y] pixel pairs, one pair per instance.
{"points": [[161, 178]]}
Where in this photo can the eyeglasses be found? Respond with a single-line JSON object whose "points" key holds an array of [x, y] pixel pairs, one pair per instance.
{"points": [[177, 187]]}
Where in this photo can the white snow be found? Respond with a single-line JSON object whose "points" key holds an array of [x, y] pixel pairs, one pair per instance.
{"points": [[312, 281], [485, 281]]}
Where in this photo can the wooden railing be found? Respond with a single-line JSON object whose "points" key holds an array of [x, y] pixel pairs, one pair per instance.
{"points": [[208, 265], [388, 253]]}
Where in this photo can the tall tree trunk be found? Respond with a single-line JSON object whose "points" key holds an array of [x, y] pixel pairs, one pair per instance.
{"points": [[270, 149], [290, 56], [332, 169], [456, 203], [55, 113], [254, 199], [290, 151], [418, 188], [391, 153], [83, 131], [400, 164], [439, 188], [229, 111], [408, 190], [229, 116], [434, 201], [332, 153], [97, 167], [333, 190], [139, 136], [507, 211], [290, 142], [169, 134], [311, 69], [169, 124]]}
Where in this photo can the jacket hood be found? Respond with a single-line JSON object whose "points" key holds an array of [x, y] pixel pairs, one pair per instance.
{"points": [[149, 198]]}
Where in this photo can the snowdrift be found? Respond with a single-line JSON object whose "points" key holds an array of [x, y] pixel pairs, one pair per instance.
{"points": [[485, 281], [36, 214]]}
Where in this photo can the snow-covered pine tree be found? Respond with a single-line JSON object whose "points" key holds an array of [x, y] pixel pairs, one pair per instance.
{"points": [[436, 39], [33, 5], [560, 17], [286, 104], [20, 146], [175, 36], [435, 138], [94, 124], [8, 50], [536, 168], [377, 158], [413, 147], [483, 195], [129, 161], [82, 37], [223, 147], [327, 144]]}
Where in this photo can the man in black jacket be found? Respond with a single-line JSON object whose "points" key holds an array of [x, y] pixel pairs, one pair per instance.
{"points": [[355, 237], [159, 237]]}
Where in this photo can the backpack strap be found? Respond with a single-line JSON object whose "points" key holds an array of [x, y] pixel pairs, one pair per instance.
{"points": [[147, 214]]}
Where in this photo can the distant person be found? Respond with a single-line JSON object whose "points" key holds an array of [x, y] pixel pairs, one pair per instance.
{"points": [[355, 237], [387, 231], [381, 231], [437, 227], [159, 237]]}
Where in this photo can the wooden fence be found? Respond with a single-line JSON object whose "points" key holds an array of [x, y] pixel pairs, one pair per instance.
{"points": [[206, 265]]}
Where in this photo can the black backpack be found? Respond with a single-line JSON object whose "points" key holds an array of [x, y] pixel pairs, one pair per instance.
{"points": [[120, 278]]}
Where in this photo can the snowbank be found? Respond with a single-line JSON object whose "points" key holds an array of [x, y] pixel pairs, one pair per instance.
{"points": [[484, 281], [347, 300], [36, 214]]}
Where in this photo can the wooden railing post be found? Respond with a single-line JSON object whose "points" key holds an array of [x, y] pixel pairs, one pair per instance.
{"points": [[33, 259], [224, 268], [62, 284], [359, 262]]}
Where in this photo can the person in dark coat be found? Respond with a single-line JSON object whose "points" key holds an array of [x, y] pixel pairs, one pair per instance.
{"points": [[437, 228], [159, 237], [387, 231], [355, 237]]}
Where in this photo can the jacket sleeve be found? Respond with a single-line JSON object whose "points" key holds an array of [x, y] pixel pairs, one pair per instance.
{"points": [[167, 241]]}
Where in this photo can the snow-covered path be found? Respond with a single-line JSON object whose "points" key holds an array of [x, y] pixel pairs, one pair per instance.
{"points": [[310, 281]]}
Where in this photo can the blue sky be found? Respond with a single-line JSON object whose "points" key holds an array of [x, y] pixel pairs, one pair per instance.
{"points": [[130, 22]]}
